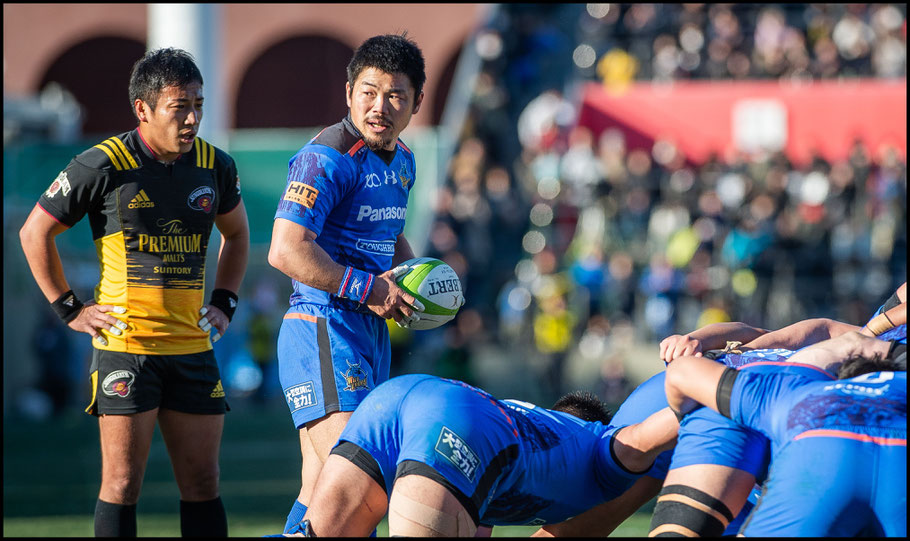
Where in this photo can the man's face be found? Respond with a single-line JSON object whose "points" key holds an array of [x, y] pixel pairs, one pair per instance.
{"points": [[170, 126], [381, 106]]}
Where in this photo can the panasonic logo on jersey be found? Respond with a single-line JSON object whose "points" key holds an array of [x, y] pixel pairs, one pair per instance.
{"points": [[384, 213]]}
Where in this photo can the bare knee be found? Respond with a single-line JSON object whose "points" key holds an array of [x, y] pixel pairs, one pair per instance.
{"points": [[199, 483], [120, 488]]}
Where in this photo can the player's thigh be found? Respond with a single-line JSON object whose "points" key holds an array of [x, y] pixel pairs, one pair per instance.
{"points": [[422, 507], [346, 500], [193, 442], [323, 433], [125, 444]]}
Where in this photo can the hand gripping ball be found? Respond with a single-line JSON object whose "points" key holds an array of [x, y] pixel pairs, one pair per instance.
{"points": [[436, 285]]}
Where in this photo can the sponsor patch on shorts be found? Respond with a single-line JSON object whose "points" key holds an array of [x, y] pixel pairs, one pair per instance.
{"points": [[300, 396], [118, 383], [451, 446]]}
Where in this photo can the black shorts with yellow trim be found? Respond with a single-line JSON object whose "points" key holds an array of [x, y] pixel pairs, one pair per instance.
{"points": [[125, 383]]}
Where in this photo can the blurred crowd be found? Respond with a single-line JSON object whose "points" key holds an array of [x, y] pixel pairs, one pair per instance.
{"points": [[573, 246]]}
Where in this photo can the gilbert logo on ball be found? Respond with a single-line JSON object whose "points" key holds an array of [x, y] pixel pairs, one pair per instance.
{"points": [[436, 285]]}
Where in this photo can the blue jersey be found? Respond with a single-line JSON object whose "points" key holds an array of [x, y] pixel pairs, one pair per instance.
{"points": [[353, 198], [839, 453], [512, 462]]}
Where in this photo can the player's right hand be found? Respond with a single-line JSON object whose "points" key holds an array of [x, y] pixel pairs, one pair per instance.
{"points": [[94, 317], [387, 300], [674, 347]]}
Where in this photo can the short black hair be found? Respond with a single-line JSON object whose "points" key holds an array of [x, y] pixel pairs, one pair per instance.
{"points": [[159, 69], [858, 365], [585, 405], [391, 53]]}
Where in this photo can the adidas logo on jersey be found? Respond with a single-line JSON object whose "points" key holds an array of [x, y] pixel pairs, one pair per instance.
{"points": [[141, 201]]}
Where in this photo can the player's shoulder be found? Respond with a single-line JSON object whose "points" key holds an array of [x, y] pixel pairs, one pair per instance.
{"points": [[342, 137], [208, 156], [112, 154]]}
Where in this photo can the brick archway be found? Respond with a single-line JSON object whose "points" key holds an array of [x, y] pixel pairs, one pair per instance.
{"points": [[296, 83], [97, 72]]}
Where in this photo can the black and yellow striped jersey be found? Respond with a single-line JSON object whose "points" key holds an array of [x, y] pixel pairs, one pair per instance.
{"points": [[151, 225]]}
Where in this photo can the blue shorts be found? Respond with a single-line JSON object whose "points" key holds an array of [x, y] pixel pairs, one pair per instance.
{"points": [[466, 444], [707, 437], [833, 487], [329, 359]]}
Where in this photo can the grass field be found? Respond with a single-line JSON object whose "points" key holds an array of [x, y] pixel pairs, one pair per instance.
{"points": [[51, 472]]}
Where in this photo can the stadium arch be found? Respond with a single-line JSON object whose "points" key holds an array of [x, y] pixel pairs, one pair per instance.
{"points": [[315, 74], [96, 71]]}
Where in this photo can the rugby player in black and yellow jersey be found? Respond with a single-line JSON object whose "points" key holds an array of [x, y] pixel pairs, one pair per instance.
{"points": [[152, 196]]}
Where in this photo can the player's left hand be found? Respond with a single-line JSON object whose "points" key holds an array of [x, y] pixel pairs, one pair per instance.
{"points": [[213, 317]]}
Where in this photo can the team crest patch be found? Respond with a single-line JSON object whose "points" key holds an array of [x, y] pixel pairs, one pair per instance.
{"points": [[60, 183], [118, 383], [355, 378], [202, 198], [300, 396], [451, 446], [302, 194], [403, 175]]}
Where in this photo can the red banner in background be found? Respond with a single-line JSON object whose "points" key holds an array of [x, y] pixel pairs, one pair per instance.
{"points": [[721, 117]]}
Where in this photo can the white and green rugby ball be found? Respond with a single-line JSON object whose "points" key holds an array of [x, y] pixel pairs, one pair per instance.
{"points": [[436, 285]]}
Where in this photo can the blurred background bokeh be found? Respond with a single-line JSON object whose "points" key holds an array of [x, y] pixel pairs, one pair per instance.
{"points": [[599, 175]]}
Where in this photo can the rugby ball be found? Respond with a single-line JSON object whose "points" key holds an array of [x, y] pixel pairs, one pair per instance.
{"points": [[436, 285]]}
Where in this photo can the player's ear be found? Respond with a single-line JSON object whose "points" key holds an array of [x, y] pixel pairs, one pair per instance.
{"points": [[417, 103], [347, 94], [141, 110]]}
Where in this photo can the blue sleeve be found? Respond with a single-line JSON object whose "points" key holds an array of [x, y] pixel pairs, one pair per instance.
{"points": [[318, 179], [613, 477]]}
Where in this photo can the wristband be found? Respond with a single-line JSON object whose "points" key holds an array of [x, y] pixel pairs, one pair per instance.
{"points": [[879, 324], [224, 300], [356, 285], [67, 306]]}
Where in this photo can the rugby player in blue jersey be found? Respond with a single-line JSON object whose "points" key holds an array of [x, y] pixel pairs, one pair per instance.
{"points": [[443, 458], [338, 233], [839, 449], [716, 462], [713, 455]]}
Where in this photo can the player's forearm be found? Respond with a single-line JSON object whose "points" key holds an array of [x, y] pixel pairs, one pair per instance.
{"points": [[403, 251], [716, 335], [830, 354], [307, 263], [232, 261], [801, 334]]}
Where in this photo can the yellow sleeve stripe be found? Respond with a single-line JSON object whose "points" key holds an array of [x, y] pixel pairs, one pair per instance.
{"points": [[205, 154], [113, 146], [110, 155], [129, 157]]}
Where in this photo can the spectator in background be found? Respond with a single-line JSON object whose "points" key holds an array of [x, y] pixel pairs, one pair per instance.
{"points": [[644, 234]]}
